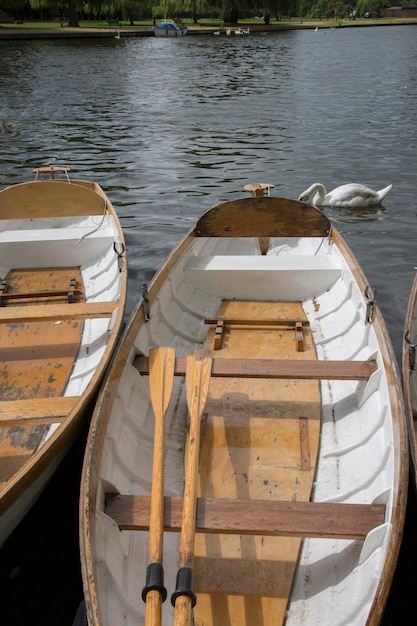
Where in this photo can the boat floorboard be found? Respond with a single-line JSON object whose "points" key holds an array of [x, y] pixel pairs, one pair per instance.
{"points": [[259, 441], [36, 357]]}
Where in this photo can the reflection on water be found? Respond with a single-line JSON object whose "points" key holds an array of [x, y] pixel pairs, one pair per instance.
{"points": [[169, 128], [355, 216]]}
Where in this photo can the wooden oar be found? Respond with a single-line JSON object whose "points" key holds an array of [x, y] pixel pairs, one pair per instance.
{"points": [[198, 370], [161, 378]]}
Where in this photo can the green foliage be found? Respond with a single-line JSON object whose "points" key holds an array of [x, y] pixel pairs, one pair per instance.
{"points": [[42, 4], [367, 5], [13, 4], [135, 9], [231, 10]]}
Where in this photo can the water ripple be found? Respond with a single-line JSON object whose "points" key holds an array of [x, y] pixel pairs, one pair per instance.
{"points": [[170, 128]]}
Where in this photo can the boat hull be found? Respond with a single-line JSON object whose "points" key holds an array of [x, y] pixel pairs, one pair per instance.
{"points": [[409, 371], [164, 32], [63, 295], [169, 28], [277, 298]]}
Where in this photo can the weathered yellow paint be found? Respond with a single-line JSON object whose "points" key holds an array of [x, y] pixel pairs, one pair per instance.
{"points": [[36, 359]]}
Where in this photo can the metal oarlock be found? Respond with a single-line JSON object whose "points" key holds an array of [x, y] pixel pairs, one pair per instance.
{"points": [[370, 296]]}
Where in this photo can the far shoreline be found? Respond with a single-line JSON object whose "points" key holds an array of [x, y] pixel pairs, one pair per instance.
{"points": [[56, 31]]}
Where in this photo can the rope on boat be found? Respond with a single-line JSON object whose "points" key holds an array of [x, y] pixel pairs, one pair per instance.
{"points": [[105, 213]]}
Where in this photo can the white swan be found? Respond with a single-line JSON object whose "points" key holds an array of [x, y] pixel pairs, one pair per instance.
{"points": [[350, 195]]}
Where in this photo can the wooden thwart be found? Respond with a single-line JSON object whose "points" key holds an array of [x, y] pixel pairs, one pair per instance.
{"points": [[37, 410], [279, 368], [254, 517], [56, 312]]}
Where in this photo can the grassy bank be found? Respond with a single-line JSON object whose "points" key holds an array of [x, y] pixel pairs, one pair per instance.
{"points": [[219, 24]]}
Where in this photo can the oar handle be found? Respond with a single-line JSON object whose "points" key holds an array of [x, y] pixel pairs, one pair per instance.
{"points": [[198, 372], [184, 586], [154, 581]]}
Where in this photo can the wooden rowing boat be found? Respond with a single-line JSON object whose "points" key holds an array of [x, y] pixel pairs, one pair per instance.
{"points": [[409, 367], [285, 455], [62, 297]]}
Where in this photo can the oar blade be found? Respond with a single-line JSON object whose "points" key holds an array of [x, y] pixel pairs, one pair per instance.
{"points": [[197, 381], [161, 378]]}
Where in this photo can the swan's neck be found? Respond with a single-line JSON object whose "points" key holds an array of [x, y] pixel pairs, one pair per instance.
{"points": [[320, 191]]}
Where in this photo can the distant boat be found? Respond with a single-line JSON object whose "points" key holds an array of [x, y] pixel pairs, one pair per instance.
{"points": [[62, 298], [168, 28]]}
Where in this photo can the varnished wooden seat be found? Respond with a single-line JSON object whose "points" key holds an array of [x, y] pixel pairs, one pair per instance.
{"points": [[36, 410], [58, 312], [277, 368], [254, 517]]}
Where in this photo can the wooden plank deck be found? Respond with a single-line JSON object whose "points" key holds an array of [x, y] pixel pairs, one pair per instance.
{"points": [[37, 355], [259, 441], [56, 312]]}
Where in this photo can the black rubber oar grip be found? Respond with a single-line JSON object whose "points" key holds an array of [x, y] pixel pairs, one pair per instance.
{"points": [[184, 585], [154, 581]]}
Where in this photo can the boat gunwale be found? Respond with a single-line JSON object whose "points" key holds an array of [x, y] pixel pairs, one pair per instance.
{"points": [[408, 323]]}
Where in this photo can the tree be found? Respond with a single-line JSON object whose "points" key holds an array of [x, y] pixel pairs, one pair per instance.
{"points": [[367, 5], [68, 8], [16, 8], [195, 7], [72, 9], [134, 9], [230, 9]]}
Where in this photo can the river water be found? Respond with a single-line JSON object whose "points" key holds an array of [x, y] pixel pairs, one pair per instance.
{"points": [[171, 127]]}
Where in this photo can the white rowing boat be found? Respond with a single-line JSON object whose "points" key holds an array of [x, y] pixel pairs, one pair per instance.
{"points": [[274, 489], [63, 285]]}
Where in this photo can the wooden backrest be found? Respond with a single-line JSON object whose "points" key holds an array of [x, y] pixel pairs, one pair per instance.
{"points": [[263, 217], [49, 198]]}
